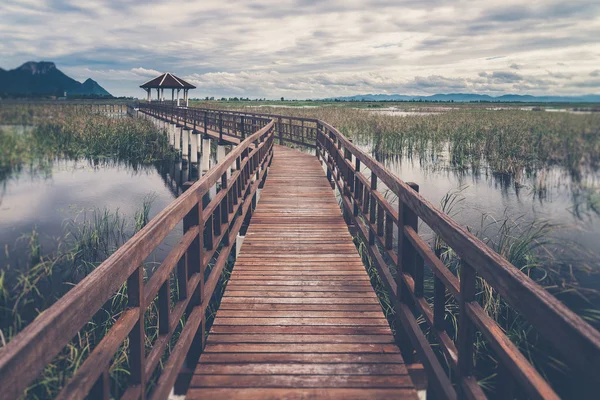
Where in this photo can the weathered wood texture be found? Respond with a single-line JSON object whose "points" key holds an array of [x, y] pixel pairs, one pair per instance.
{"points": [[362, 182], [28, 353], [299, 318], [231, 127]]}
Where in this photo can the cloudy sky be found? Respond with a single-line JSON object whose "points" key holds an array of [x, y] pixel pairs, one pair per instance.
{"points": [[313, 48]]}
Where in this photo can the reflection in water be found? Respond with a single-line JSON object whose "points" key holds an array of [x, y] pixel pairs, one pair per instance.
{"points": [[553, 194], [44, 199]]}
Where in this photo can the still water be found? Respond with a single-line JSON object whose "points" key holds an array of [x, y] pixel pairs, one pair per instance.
{"points": [[45, 200], [571, 205]]}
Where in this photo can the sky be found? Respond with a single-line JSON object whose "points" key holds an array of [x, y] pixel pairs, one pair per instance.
{"points": [[313, 48]]}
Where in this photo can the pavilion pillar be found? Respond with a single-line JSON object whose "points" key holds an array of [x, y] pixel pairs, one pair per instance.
{"points": [[157, 94], [186, 94], [162, 94], [149, 95], [194, 147], [172, 95], [178, 97], [205, 154]]}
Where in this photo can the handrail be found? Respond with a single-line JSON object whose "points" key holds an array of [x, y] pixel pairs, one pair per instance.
{"points": [[206, 229], [299, 131], [368, 212]]}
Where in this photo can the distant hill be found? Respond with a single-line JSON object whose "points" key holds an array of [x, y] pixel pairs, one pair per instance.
{"points": [[467, 97], [37, 79]]}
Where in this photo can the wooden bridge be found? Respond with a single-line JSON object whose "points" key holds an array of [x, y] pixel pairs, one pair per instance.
{"points": [[299, 318]]}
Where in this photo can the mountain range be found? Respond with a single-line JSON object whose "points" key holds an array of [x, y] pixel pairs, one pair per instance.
{"points": [[468, 97], [39, 79]]}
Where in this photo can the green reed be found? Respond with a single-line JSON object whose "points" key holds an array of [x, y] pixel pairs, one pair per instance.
{"points": [[505, 141], [532, 248], [29, 290], [65, 133]]}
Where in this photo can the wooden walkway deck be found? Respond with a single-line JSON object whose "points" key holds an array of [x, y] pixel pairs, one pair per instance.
{"points": [[299, 318]]}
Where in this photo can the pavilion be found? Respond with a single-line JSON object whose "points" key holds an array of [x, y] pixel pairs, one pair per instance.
{"points": [[168, 81]]}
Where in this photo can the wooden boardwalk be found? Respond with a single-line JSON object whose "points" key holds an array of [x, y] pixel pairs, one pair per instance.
{"points": [[299, 318]]}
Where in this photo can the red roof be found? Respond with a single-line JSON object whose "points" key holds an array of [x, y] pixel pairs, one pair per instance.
{"points": [[167, 81]]}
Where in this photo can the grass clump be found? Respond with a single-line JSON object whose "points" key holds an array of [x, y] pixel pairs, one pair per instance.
{"points": [[530, 246], [29, 290], [82, 135], [509, 142]]}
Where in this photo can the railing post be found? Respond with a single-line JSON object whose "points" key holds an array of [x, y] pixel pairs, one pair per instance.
{"points": [[466, 328], [373, 206], [279, 126], [357, 187], [220, 128], [101, 389], [406, 257], [137, 336], [224, 206]]}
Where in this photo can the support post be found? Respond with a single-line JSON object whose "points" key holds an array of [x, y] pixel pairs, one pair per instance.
{"points": [[185, 148], [194, 147], [177, 138], [205, 155], [220, 153]]}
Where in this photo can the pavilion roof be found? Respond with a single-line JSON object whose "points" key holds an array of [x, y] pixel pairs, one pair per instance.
{"points": [[167, 81]]}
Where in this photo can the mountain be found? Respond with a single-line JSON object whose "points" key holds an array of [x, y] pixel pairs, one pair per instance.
{"points": [[34, 79], [91, 88], [468, 97]]}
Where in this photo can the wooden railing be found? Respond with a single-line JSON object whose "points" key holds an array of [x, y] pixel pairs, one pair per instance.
{"points": [[391, 235], [230, 124], [371, 215], [209, 236]]}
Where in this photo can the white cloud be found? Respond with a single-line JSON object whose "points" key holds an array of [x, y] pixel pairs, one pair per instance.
{"points": [[146, 72], [305, 48]]}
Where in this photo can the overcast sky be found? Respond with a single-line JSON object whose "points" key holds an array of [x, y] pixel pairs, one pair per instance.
{"points": [[313, 49]]}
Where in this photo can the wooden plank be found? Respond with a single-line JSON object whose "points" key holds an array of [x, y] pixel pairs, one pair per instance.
{"points": [[299, 312], [304, 358], [300, 394], [295, 330], [259, 368], [302, 381], [308, 338]]}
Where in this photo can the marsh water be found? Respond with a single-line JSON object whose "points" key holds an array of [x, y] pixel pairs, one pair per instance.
{"points": [[568, 205], [43, 199], [47, 198]]}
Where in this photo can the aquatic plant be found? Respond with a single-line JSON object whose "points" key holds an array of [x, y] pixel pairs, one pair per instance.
{"points": [[26, 292], [529, 245], [82, 135], [504, 141]]}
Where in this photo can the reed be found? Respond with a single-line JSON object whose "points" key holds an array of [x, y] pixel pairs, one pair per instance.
{"points": [[531, 247], [511, 142], [80, 135], [87, 240]]}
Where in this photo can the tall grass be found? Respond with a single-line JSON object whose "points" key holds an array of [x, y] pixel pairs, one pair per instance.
{"points": [[505, 141], [88, 239], [99, 137], [81, 135], [28, 291]]}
